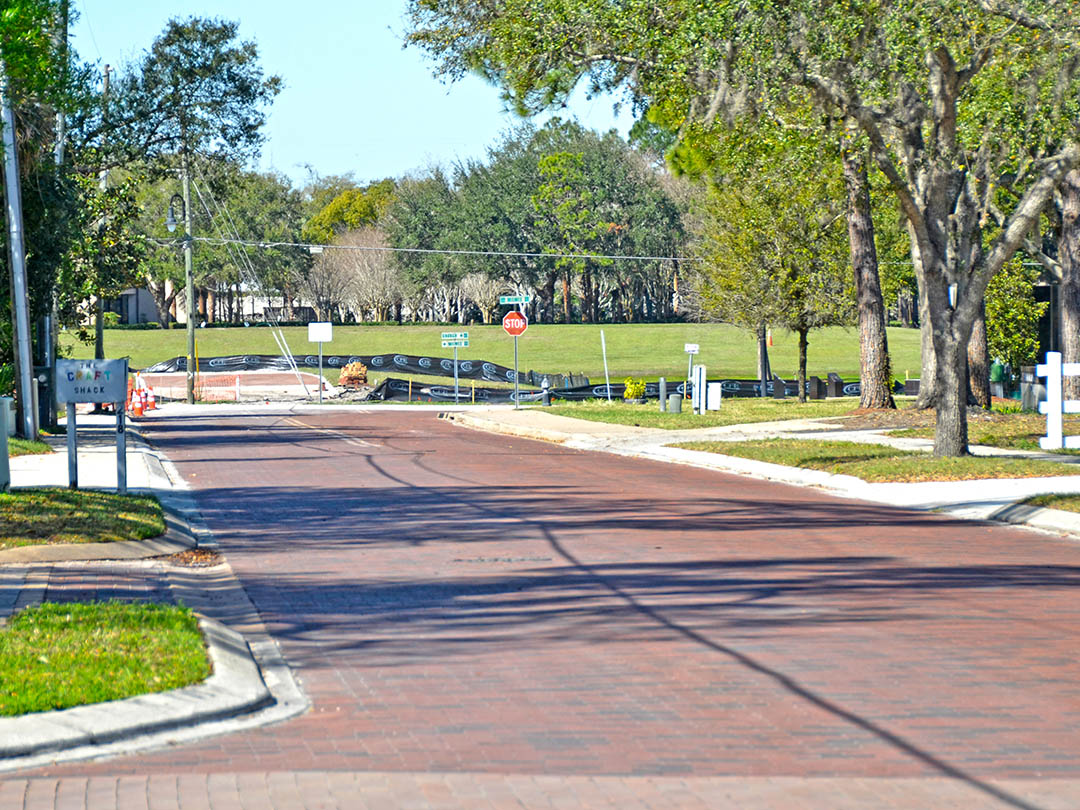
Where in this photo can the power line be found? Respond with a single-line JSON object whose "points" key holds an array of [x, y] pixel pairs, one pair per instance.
{"points": [[316, 248]]}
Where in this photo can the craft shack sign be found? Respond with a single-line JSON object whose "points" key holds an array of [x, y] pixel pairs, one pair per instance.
{"points": [[91, 380]]}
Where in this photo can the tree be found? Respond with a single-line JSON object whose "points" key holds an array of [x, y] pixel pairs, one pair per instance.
{"points": [[484, 292], [913, 76], [198, 90], [40, 78], [377, 289], [1012, 315], [565, 202], [775, 254], [353, 208]]}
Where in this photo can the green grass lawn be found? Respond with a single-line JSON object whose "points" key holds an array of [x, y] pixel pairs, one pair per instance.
{"points": [[878, 463], [31, 517], [25, 447], [639, 350], [55, 656], [1069, 503], [1018, 431], [734, 411]]}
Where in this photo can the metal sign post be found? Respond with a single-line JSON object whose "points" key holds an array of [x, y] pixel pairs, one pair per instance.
{"points": [[455, 339], [515, 323], [607, 378], [93, 381], [691, 349], [320, 332]]}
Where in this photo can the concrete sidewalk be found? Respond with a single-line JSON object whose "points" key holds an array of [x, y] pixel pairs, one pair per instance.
{"points": [[988, 499], [250, 684]]}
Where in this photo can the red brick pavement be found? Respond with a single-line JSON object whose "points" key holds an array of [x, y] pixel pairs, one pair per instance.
{"points": [[458, 603]]}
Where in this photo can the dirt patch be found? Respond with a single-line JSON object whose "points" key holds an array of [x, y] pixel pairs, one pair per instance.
{"points": [[196, 558], [881, 418]]}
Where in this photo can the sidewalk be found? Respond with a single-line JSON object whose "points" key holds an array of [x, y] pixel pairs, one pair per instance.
{"points": [[993, 499], [250, 685]]}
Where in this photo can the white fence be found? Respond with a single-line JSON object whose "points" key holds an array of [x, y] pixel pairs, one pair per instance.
{"points": [[1055, 407]]}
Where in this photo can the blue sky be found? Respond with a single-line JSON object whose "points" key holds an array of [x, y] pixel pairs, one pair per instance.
{"points": [[353, 99]]}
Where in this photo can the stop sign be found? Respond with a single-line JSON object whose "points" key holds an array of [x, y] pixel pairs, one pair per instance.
{"points": [[515, 323]]}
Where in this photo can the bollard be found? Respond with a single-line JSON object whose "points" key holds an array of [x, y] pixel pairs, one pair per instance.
{"points": [[675, 403], [545, 392], [663, 395]]}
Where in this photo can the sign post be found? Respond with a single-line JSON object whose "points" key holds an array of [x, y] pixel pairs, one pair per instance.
{"points": [[93, 381], [515, 324], [691, 349], [455, 339], [320, 332]]}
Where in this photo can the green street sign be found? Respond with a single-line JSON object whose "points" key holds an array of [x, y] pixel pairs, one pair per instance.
{"points": [[455, 335], [514, 299], [450, 344]]}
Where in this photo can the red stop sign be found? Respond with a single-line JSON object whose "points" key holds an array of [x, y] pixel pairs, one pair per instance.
{"points": [[515, 323]]}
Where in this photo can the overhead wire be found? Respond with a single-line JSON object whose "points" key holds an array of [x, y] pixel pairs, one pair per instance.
{"points": [[315, 247], [247, 268]]}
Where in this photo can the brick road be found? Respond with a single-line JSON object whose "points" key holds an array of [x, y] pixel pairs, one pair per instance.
{"points": [[483, 621]]}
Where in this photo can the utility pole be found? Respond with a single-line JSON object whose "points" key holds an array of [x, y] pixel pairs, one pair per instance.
{"points": [[103, 183], [51, 321], [189, 277], [19, 292]]}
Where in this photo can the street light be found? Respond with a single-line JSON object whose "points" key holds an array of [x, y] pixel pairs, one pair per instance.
{"points": [[170, 219], [171, 222]]}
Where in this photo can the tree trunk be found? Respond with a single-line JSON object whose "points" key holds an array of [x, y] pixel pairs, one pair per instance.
{"points": [[99, 329], [801, 378], [978, 356], [586, 295], [566, 296], [950, 435], [764, 371], [875, 371], [1069, 291]]}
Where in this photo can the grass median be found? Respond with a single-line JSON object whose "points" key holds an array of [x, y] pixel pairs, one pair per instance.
{"points": [[734, 411], [1014, 431], [30, 517], [54, 656], [879, 463]]}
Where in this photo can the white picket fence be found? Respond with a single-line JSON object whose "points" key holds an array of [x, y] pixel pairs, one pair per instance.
{"points": [[1055, 407]]}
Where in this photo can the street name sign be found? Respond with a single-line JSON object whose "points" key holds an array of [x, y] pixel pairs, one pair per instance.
{"points": [[514, 299], [455, 335], [453, 344]]}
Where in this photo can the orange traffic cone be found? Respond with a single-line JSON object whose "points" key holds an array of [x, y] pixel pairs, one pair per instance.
{"points": [[136, 403], [151, 401]]}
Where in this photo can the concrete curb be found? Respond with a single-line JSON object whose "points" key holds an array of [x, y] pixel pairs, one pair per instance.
{"points": [[175, 539], [479, 423], [235, 687]]}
